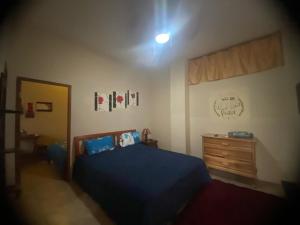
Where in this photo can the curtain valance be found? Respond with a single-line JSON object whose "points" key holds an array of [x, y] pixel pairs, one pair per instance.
{"points": [[251, 57]]}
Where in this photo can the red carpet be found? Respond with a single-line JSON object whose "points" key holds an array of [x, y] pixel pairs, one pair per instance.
{"points": [[226, 204]]}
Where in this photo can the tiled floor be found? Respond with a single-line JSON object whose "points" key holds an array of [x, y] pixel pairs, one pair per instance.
{"points": [[46, 199]]}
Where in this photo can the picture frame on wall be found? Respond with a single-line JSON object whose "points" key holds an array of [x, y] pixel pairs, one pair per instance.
{"points": [[43, 106], [116, 100]]}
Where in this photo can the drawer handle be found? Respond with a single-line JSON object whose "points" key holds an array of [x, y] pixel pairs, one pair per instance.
{"points": [[224, 143]]}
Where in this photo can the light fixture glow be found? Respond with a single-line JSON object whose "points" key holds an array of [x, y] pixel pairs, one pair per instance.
{"points": [[162, 38]]}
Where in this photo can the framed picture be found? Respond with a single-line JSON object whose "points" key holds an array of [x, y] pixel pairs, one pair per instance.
{"points": [[43, 106]]}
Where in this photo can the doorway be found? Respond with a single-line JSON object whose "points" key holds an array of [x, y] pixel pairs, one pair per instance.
{"points": [[45, 122]]}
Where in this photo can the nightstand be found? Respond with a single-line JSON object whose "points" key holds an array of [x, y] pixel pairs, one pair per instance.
{"points": [[151, 142]]}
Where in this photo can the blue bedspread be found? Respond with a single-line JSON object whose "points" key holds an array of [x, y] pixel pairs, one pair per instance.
{"points": [[140, 185]]}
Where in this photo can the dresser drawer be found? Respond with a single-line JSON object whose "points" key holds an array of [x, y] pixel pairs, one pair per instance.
{"points": [[229, 154], [230, 164], [228, 144], [232, 155]]}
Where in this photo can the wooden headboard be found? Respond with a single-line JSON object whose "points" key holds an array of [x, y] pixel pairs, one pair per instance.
{"points": [[78, 140]]}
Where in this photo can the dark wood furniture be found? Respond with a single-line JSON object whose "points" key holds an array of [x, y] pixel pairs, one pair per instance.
{"points": [[151, 142], [11, 182], [234, 155], [3, 81]]}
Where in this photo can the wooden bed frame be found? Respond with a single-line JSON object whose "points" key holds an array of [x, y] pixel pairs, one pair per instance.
{"points": [[78, 140]]}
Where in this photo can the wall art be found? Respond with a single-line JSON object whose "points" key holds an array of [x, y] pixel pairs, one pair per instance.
{"points": [[116, 100], [29, 112], [228, 107], [102, 102], [119, 99], [133, 98], [43, 106]]}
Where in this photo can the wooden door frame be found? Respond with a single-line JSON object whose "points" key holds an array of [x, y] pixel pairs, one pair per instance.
{"points": [[19, 80]]}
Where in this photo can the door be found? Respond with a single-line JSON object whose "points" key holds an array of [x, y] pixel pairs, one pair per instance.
{"points": [[3, 81]]}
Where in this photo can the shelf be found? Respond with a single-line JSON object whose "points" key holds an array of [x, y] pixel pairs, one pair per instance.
{"points": [[10, 150], [12, 111]]}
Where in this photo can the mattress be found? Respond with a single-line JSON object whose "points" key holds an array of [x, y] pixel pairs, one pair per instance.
{"points": [[140, 185]]}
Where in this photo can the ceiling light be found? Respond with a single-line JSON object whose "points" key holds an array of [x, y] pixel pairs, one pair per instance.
{"points": [[162, 38]]}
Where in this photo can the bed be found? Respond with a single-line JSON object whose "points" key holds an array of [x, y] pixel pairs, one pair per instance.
{"points": [[138, 184]]}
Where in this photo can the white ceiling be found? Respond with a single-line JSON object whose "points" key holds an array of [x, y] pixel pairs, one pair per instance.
{"points": [[124, 29]]}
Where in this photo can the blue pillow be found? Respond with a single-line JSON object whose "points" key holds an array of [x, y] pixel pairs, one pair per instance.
{"points": [[99, 145], [136, 136]]}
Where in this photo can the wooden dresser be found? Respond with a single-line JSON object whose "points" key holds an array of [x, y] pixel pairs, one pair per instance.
{"points": [[234, 155]]}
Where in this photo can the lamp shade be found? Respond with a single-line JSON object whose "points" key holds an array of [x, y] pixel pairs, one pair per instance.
{"points": [[145, 133]]}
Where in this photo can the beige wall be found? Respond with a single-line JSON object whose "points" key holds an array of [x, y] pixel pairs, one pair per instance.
{"points": [[178, 109], [51, 126], [271, 102], [270, 113], [38, 55], [160, 108]]}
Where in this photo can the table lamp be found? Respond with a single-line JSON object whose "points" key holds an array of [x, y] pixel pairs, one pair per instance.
{"points": [[145, 134]]}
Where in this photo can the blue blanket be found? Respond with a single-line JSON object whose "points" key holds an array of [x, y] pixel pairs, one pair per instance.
{"points": [[140, 185]]}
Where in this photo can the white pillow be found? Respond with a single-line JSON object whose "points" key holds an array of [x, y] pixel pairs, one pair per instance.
{"points": [[126, 139]]}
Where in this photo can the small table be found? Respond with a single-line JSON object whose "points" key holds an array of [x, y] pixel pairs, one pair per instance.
{"points": [[30, 138], [151, 142]]}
